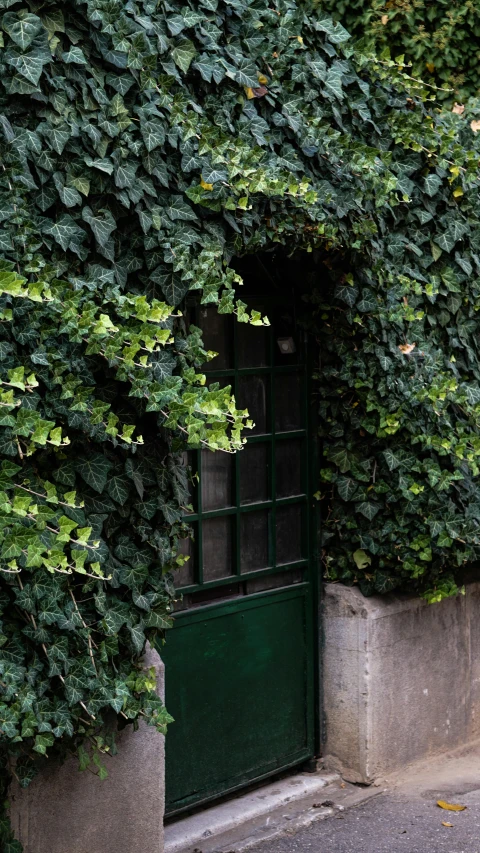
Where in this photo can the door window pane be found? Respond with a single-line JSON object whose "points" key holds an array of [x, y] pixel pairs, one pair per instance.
{"points": [[253, 344], [189, 461], [216, 336], [288, 402], [217, 548], [217, 480], [288, 468], [185, 575], [254, 541], [286, 577], [254, 469], [253, 395], [288, 534]]}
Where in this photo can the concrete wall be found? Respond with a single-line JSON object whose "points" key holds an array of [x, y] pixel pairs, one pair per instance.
{"points": [[65, 811], [401, 679]]}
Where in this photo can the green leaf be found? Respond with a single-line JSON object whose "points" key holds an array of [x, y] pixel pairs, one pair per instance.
{"points": [[118, 487], [342, 459], [95, 471], [335, 32], [183, 54], [361, 559], [432, 184], [43, 742], [368, 508], [346, 488], [76, 55], [102, 224], [22, 27]]}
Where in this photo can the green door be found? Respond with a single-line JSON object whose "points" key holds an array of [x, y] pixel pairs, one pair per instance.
{"points": [[240, 660]]}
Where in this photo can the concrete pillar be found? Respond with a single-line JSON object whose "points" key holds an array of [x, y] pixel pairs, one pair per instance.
{"points": [[401, 679], [65, 811]]}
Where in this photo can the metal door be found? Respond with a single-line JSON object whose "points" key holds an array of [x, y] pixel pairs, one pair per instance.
{"points": [[240, 660]]}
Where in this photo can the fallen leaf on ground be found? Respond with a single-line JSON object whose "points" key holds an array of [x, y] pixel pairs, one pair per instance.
{"points": [[450, 807], [406, 348], [446, 823]]}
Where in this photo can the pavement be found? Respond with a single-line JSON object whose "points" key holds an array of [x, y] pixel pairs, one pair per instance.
{"points": [[403, 818]]}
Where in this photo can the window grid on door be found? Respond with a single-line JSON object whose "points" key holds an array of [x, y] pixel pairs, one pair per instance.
{"points": [[250, 523]]}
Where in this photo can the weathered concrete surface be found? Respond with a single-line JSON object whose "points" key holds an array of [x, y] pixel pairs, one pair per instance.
{"points": [[405, 817], [65, 811], [401, 679]]}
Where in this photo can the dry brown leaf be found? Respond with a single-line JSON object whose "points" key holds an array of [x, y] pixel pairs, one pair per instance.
{"points": [[475, 125], [384, 19], [446, 823], [450, 807], [459, 109], [406, 348]]}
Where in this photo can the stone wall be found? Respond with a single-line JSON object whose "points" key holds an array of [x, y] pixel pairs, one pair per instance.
{"points": [[401, 679], [65, 811]]}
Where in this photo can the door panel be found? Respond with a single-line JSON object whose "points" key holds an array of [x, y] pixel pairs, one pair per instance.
{"points": [[227, 732], [239, 673]]}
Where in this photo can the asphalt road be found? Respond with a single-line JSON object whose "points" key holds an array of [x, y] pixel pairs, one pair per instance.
{"points": [[393, 822]]}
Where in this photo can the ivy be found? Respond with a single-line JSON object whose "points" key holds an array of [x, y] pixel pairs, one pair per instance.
{"points": [[144, 146], [439, 40]]}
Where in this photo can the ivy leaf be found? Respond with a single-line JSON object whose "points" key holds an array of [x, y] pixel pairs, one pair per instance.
{"points": [[174, 289], [43, 742], [158, 619], [432, 184], [183, 54], [75, 55], [362, 559], [22, 27], [393, 461], [335, 32], [137, 635], [118, 487], [346, 487], [102, 224], [95, 471], [29, 66], [179, 209], [342, 459], [368, 508]]}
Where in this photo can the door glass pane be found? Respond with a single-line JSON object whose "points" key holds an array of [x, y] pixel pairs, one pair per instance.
{"points": [[217, 548], [185, 575], [216, 336], [254, 541], [288, 468], [253, 395], [288, 533], [217, 480], [254, 469], [284, 578], [252, 345], [189, 461], [288, 402]]}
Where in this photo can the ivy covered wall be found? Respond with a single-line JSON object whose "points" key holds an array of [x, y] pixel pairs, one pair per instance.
{"points": [[439, 39], [144, 145]]}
